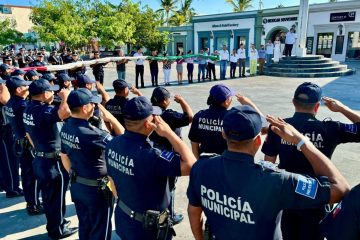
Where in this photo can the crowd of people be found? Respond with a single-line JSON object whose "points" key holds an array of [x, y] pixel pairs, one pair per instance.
{"points": [[126, 153]]}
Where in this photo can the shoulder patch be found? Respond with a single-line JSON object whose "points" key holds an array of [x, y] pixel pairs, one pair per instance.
{"points": [[107, 138], [307, 187], [167, 155], [350, 128]]}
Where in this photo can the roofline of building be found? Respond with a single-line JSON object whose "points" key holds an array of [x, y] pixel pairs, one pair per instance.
{"points": [[15, 6]]}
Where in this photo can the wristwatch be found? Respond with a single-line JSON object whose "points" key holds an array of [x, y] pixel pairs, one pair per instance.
{"points": [[299, 145]]}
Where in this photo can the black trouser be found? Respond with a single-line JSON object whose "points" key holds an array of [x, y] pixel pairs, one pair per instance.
{"points": [[211, 69], [139, 69], [190, 70], [288, 49], [232, 69], [242, 67], [207, 70], [99, 76], [302, 224], [154, 76], [9, 164], [53, 180]]}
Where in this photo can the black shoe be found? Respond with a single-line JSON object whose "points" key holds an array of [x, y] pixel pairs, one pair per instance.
{"points": [[67, 223], [66, 233], [13, 194], [34, 210], [177, 218]]}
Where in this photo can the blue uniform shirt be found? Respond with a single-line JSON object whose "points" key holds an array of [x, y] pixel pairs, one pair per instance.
{"points": [[115, 106], [245, 203], [40, 122], [140, 175], [81, 142], [206, 129], [344, 221], [325, 135], [176, 121], [14, 113]]}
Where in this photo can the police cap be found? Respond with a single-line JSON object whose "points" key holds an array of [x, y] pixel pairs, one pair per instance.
{"points": [[83, 79], [40, 86], [31, 74], [17, 72], [14, 82], [242, 123], [8, 59], [120, 84], [138, 108], [63, 77], [308, 93], [4, 67], [159, 94], [81, 97], [49, 76], [219, 93]]}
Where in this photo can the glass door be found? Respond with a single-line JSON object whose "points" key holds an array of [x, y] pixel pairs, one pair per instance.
{"points": [[353, 47], [324, 44]]}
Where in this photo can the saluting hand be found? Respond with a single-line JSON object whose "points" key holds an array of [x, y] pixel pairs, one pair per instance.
{"points": [[241, 98], [64, 93], [135, 91], [178, 98], [333, 104], [285, 130], [161, 127], [105, 114]]}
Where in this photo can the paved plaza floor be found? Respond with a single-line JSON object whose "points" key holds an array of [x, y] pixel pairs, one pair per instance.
{"points": [[273, 95]]}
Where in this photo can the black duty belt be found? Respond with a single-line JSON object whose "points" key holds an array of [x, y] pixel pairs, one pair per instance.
{"points": [[47, 154], [132, 214], [87, 182]]}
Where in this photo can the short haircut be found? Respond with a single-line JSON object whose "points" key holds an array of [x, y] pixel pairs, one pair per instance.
{"points": [[75, 110], [304, 106], [134, 125], [236, 144]]}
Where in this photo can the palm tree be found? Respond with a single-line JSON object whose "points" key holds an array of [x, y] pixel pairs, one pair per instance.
{"points": [[186, 10], [240, 5], [167, 6], [177, 19]]}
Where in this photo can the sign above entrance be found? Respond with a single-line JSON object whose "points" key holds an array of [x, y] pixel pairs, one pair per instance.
{"points": [[342, 16], [283, 19], [225, 25]]}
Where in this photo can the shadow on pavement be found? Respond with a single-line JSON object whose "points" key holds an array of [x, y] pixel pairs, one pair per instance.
{"points": [[8, 202], [43, 236]]}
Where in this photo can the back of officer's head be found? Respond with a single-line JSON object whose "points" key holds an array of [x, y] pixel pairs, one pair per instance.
{"points": [[307, 97], [84, 81], [241, 128], [121, 87], [80, 103], [137, 114], [159, 97], [18, 86], [42, 90], [220, 96]]}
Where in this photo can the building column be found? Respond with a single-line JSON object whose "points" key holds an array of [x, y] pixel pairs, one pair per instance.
{"points": [[258, 29], [302, 28]]}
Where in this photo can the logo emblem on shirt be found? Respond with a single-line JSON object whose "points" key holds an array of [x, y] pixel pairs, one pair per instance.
{"points": [[350, 128], [307, 187], [167, 155]]}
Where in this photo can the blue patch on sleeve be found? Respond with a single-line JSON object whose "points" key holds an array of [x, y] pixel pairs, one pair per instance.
{"points": [[307, 187], [350, 128], [167, 155], [107, 138]]}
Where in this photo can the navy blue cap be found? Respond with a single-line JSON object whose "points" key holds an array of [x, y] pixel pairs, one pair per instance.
{"points": [[220, 93], [63, 77], [242, 123], [15, 82], [159, 94], [40, 86], [81, 97], [83, 79], [7, 59], [308, 93], [49, 76], [4, 67], [32, 73], [137, 108], [17, 72], [121, 84]]}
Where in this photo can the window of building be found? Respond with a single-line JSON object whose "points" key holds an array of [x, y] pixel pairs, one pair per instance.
{"points": [[204, 43], [221, 41], [324, 44], [5, 9], [353, 47], [241, 40]]}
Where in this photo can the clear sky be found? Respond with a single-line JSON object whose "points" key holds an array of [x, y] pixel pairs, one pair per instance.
{"points": [[200, 6]]}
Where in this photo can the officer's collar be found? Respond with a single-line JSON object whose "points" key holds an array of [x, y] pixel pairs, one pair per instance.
{"points": [[217, 107], [119, 97], [135, 135], [78, 120], [17, 97], [238, 156], [37, 102], [303, 115]]}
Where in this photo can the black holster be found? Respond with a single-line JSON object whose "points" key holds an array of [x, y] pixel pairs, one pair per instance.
{"points": [[207, 232], [154, 220], [20, 146]]}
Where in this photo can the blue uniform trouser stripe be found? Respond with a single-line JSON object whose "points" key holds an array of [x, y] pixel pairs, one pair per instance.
{"points": [[31, 191]]}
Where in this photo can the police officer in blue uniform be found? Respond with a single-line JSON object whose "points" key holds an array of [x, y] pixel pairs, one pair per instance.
{"points": [[39, 62], [14, 109], [40, 119], [32, 75], [98, 68], [9, 166], [117, 103], [18, 73], [344, 221], [248, 210], [140, 173], [5, 71], [64, 80], [176, 120], [82, 148], [73, 58], [325, 135], [205, 131]]}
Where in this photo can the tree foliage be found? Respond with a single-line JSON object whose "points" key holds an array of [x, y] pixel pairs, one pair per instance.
{"points": [[167, 7], [8, 33], [240, 5]]}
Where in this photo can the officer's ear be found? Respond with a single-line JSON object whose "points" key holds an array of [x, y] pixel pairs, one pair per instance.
{"points": [[257, 140], [316, 108], [223, 135]]}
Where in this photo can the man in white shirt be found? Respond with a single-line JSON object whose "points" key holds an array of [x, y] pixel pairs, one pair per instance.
{"points": [[269, 52], [224, 58], [289, 42], [139, 69], [241, 52]]}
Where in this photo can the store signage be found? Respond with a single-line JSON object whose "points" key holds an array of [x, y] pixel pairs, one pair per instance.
{"points": [[342, 16], [225, 25], [275, 20]]}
